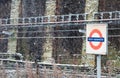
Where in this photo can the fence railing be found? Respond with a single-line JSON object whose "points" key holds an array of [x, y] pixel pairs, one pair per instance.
{"points": [[56, 72], [97, 16], [44, 19]]}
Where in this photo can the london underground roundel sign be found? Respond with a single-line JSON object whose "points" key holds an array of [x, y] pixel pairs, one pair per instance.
{"points": [[96, 39]]}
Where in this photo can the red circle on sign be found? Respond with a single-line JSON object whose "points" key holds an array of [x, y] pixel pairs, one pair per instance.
{"points": [[96, 47]]}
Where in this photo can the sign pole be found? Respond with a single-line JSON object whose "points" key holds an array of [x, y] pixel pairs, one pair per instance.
{"points": [[98, 66], [96, 42]]}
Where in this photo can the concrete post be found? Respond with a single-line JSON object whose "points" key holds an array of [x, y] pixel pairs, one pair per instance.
{"points": [[90, 8], [48, 44], [12, 42]]}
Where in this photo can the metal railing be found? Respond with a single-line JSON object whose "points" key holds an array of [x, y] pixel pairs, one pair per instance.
{"points": [[45, 19], [114, 15], [58, 19], [48, 73]]}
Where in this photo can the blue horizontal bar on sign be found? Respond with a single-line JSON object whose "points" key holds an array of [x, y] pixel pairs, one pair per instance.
{"points": [[96, 39]]}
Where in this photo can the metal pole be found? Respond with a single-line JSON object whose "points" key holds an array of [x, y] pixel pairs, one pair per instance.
{"points": [[98, 66]]}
